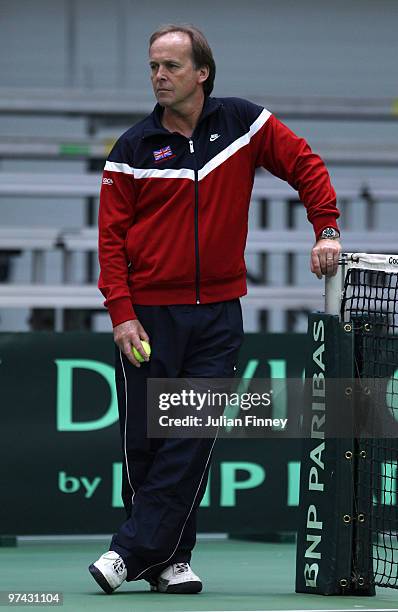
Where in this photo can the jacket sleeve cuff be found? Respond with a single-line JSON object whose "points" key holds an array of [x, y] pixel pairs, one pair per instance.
{"points": [[319, 224], [121, 310]]}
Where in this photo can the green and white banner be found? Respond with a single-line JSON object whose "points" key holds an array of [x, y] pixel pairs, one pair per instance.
{"points": [[61, 459]]}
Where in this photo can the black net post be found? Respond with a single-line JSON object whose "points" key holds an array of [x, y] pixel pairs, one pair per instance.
{"points": [[363, 349], [327, 514], [362, 545]]}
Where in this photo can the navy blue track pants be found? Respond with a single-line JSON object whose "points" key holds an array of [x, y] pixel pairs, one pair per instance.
{"points": [[164, 480]]}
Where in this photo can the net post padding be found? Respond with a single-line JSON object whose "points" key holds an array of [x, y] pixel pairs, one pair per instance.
{"points": [[325, 530], [354, 560], [362, 547]]}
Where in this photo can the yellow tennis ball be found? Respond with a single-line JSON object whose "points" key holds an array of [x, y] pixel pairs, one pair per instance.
{"points": [[138, 355]]}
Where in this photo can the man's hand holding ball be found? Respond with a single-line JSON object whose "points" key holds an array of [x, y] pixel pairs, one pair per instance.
{"points": [[133, 341]]}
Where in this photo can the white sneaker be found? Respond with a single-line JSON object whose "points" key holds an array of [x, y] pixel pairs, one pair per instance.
{"points": [[109, 571], [177, 578]]}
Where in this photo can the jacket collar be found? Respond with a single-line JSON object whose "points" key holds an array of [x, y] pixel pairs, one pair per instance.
{"points": [[155, 127]]}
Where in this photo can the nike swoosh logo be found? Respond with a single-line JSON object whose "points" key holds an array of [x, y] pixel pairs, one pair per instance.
{"points": [[214, 137]]}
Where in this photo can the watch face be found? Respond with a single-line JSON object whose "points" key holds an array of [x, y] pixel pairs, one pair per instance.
{"points": [[330, 232]]}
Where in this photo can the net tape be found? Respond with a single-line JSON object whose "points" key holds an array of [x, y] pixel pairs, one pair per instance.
{"points": [[372, 261]]}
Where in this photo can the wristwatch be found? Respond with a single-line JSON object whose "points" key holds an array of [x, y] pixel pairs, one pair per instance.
{"points": [[330, 233]]}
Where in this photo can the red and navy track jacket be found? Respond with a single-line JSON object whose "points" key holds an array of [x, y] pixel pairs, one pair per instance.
{"points": [[173, 213]]}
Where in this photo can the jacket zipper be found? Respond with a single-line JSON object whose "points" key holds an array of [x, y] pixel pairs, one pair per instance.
{"points": [[197, 278]]}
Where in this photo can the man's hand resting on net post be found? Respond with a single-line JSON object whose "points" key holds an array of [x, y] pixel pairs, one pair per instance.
{"points": [[325, 257], [129, 334]]}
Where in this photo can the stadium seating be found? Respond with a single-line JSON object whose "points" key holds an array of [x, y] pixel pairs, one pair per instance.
{"points": [[275, 244]]}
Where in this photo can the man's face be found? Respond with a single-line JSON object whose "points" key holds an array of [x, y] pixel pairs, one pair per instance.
{"points": [[174, 77]]}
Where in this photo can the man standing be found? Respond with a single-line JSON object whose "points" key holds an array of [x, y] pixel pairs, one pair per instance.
{"points": [[172, 231]]}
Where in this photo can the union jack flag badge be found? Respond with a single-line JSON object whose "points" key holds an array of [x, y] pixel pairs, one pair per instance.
{"points": [[162, 153]]}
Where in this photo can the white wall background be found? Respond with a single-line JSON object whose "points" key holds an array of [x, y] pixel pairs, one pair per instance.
{"points": [[289, 47]]}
